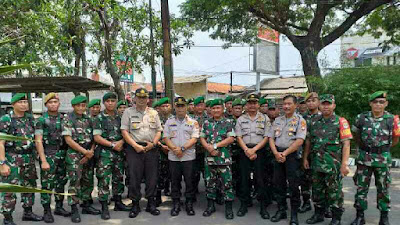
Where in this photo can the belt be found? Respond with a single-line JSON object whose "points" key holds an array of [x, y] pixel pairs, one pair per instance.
{"points": [[280, 149], [144, 144], [377, 150], [251, 145]]}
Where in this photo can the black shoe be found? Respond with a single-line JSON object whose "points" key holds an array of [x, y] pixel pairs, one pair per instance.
{"points": [[151, 207], [189, 208], [293, 218], [105, 213], [280, 215], [8, 219], [228, 210], [336, 216], [319, 216], [30, 216], [328, 212], [263, 211], [384, 220], [158, 198], [88, 209], [135, 209], [47, 216], [119, 205], [210, 208], [60, 211], [176, 208], [242, 210], [305, 207], [359, 220], [75, 217]]}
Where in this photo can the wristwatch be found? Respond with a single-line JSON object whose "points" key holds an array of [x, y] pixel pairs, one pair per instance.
{"points": [[182, 149], [3, 162], [113, 144], [215, 146]]}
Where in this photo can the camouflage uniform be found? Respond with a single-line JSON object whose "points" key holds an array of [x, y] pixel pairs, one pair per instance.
{"points": [[326, 137], [20, 157], [374, 157], [217, 169], [54, 179], [164, 176], [200, 153], [80, 130], [111, 164]]}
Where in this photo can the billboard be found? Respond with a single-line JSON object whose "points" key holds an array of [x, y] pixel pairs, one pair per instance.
{"points": [[124, 66], [266, 51]]}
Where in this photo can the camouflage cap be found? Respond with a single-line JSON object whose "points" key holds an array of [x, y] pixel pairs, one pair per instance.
{"points": [[141, 92], [216, 101], [19, 96], [378, 94], [94, 102], [198, 100], [180, 101], [164, 100], [262, 101], [311, 95], [229, 99], [122, 102], [327, 98], [236, 102], [79, 99], [109, 95], [271, 104], [50, 96], [252, 97]]}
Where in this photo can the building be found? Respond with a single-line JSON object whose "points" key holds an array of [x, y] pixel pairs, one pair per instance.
{"points": [[367, 51]]}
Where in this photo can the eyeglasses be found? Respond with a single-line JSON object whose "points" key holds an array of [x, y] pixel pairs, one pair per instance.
{"points": [[379, 101]]}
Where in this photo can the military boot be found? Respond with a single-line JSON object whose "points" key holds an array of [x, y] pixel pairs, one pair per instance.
{"points": [[263, 210], [279, 215], [189, 208], [75, 216], [135, 209], [8, 219], [336, 216], [384, 220], [119, 205], [243, 209], [105, 213], [359, 220], [228, 210], [176, 207], [210, 208], [47, 216], [60, 211], [319, 216], [328, 212], [89, 209], [151, 207], [30, 216]]}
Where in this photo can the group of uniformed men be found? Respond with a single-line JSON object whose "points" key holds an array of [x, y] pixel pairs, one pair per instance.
{"points": [[237, 145]]}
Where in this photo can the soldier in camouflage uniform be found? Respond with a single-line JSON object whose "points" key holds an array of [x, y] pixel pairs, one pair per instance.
{"points": [[49, 144], [216, 135], [328, 145], [191, 107], [237, 111], [302, 106], [121, 106], [228, 106], [17, 159], [200, 116], [376, 132], [77, 132], [273, 110], [111, 163], [312, 102]]}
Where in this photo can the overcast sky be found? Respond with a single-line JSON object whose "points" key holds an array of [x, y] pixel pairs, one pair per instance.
{"points": [[219, 62]]}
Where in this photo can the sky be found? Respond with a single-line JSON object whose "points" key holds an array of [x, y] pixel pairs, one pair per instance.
{"points": [[219, 62]]}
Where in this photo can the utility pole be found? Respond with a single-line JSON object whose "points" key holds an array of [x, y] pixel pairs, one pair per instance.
{"points": [[231, 82], [168, 72], [153, 69]]}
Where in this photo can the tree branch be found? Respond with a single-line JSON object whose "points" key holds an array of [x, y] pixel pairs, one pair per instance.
{"points": [[297, 27], [364, 9], [322, 10]]}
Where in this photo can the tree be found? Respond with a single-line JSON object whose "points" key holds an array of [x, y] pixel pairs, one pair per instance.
{"points": [[385, 19], [309, 25]]}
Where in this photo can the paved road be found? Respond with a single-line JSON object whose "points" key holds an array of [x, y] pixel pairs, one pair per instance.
{"points": [[144, 218]]}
